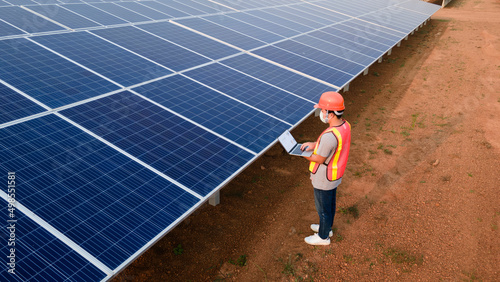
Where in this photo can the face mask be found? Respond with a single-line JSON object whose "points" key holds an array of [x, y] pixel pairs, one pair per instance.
{"points": [[323, 119]]}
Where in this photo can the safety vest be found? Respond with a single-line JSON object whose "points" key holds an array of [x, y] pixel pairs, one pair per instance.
{"points": [[336, 166]]}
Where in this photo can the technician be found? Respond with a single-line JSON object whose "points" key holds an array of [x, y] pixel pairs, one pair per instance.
{"points": [[327, 164]]}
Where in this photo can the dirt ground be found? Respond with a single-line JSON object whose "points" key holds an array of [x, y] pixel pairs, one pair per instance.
{"points": [[419, 201]]}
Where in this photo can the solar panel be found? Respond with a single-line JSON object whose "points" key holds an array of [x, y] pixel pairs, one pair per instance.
{"points": [[244, 28], [36, 247], [283, 78], [222, 33], [290, 23], [113, 62], [121, 12], [15, 106], [63, 16], [182, 7], [194, 157], [143, 9], [350, 45], [26, 20], [305, 65], [264, 24], [262, 96], [21, 2], [295, 17], [170, 11], [47, 77], [70, 174], [188, 39], [8, 30], [242, 124], [152, 47], [333, 48], [94, 14], [319, 56], [122, 128]]}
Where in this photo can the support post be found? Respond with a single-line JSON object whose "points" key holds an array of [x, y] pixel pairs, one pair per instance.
{"points": [[366, 71], [406, 37], [215, 199], [380, 59], [399, 44], [389, 52], [346, 88]]}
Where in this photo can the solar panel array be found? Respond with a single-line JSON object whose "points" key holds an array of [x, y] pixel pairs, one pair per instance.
{"points": [[120, 118]]}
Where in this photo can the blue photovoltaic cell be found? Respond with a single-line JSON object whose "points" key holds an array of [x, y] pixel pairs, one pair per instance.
{"points": [[320, 14], [222, 33], [304, 65], [350, 45], [47, 77], [352, 8], [239, 5], [355, 38], [335, 49], [63, 16], [26, 21], [287, 14], [7, 29], [103, 57], [14, 105], [182, 7], [191, 40], [190, 155], [375, 29], [264, 24], [140, 8], [321, 57], [152, 47], [76, 1], [238, 122], [206, 7], [102, 200], [283, 78], [244, 28], [21, 2], [94, 14], [394, 19], [40, 256], [121, 12], [366, 38], [267, 98], [171, 12], [279, 20]]}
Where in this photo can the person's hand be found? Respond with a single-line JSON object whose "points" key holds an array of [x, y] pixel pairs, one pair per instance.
{"points": [[308, 146]]}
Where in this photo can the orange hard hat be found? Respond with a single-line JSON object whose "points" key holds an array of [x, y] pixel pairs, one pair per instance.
{"points": [[331, 101]]}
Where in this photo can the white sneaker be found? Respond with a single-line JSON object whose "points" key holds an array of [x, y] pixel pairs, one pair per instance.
{"points": [[315, 228], [316, 240]]}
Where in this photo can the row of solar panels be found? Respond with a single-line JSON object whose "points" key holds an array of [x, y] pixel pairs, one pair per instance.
{"points": [[77, 14], [117, 133]]}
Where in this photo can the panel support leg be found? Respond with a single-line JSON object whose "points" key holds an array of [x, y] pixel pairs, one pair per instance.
{"points": [[399, 44], [389, 52], [380, 59], [346, 88], [366, 71], [215, 199], [406, 37]]}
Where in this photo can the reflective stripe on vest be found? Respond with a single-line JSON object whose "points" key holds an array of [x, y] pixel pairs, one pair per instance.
{"points": [[336, 166]]}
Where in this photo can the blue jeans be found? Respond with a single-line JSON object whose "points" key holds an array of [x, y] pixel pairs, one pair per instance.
{"points": [[325, 202]]}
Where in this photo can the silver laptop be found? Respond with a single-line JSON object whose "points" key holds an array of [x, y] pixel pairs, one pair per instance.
{"points": [[291, 146]]}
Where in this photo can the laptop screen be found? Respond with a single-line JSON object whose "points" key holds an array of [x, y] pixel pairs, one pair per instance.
{"points": [[286, 139]]}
